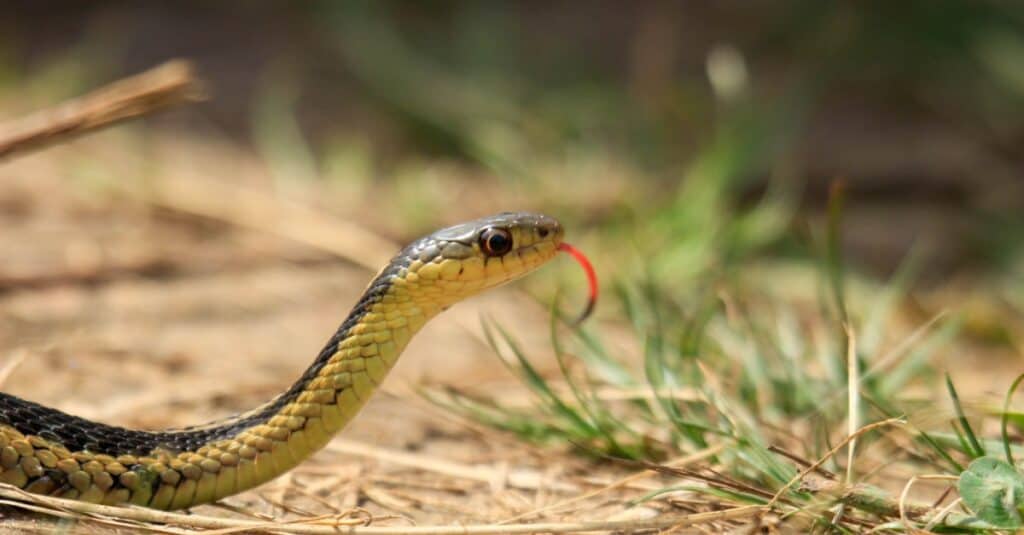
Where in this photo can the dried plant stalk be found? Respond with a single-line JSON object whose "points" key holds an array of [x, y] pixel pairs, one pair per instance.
{"points": [[165, 522], [164, 86]]}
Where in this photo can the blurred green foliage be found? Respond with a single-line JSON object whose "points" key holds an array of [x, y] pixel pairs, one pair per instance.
{"points": [[634, 118], [690, 148], [721, 116]]}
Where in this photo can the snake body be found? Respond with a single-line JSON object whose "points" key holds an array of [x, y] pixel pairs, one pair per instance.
{"points": [[46, 451]]}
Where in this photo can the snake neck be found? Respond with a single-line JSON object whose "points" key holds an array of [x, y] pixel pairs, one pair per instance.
{"points": [[341, 380], [351, 368], [46, 451]]}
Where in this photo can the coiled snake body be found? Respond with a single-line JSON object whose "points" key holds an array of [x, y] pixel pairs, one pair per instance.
{"points": [[43, 450]]}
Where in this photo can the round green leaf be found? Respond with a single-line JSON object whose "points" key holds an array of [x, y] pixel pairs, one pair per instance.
{"points": [[994, 491]]}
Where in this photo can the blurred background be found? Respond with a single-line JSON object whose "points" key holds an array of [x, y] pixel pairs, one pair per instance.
{"points": [[748, 177], [678, 141], [597, 113]]}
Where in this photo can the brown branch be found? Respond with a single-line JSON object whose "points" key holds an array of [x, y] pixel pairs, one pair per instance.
{"points": [[164, 86]]}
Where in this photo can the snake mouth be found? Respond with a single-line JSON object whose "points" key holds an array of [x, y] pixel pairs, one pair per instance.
{"points": [[588, 268]]}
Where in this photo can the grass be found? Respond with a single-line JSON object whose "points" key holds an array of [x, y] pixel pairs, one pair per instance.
{"points": [[712, 359], [781, 358], [717, 357], [736, 332]]}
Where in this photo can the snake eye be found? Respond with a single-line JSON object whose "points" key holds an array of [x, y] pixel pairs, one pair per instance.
{"points": [[495, 241]]}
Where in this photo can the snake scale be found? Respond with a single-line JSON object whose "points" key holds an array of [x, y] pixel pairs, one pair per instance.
{"points": [[46, 451]]}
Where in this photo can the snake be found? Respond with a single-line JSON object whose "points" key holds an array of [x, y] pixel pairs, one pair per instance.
{"points": [[47, 451]]}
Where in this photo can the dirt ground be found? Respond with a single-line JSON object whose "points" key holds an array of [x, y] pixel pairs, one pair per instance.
{"points": [[133, 312], [172, 286]]}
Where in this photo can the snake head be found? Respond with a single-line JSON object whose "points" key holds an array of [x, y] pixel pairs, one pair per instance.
{"points": [[459, 261]]}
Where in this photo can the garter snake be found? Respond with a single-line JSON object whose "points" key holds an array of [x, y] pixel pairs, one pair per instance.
{"points": [[46, 451]]}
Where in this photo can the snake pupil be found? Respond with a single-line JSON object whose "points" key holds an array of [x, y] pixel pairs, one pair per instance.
{"points": [[496, 241]]}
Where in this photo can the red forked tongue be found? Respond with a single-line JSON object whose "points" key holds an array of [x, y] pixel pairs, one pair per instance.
{"points": [[591, 278]]}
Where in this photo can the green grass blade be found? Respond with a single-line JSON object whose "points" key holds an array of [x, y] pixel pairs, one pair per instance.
{"points": [[975, 449], [1004, 418], [589, 403], [540, 386]]}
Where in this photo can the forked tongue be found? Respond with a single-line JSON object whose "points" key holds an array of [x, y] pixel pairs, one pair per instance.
{"points": [[591, 279]]}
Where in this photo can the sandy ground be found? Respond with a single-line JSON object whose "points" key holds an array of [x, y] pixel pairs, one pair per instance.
{"points": [[139, 315], [137, 288]]}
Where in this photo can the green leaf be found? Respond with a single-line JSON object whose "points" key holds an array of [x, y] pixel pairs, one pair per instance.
{"points": [[994, 491]]}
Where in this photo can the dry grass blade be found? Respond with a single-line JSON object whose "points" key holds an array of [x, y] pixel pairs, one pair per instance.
{"points": [[12, 364], [164, 522], [678, 463], [803, 473], [853, 399], [496, 477], [942, 514], [263, 212], [852, 410], [164, 86], [907, 511]]}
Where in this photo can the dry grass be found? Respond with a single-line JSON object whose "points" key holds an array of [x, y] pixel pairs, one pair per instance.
{"points": [[121, 307], [143, 351], [136, 350], [355, 521], [164, 294]]}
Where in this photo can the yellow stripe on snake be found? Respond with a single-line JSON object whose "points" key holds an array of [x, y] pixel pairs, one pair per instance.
{"points": [[43, 450]]}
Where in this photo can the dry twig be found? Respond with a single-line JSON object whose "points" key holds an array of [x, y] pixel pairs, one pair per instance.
{"points": [[164, 86]]}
